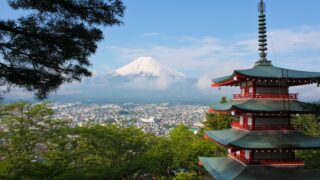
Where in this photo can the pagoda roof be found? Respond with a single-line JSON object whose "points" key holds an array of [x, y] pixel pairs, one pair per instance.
{"points": [[227, 168], [268, 72], [264, 139], [261, 105]]}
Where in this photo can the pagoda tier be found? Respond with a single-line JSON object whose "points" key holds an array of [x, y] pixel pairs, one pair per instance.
{"points": [[275, 139], [229, 168], [262, 135], [260, 106], [261, 74]]}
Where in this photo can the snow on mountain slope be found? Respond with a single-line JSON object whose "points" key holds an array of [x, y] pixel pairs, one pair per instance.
{"points": [[148, 66]]}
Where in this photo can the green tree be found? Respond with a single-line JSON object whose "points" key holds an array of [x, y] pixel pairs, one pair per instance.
{"points": [[223, 100], [309, 125], [52, 44], [187, 147], [182, 138], [37, 146], [216, 121], [187, 176], [31, 138], [109, 152], [159, 158], [315, 108]]}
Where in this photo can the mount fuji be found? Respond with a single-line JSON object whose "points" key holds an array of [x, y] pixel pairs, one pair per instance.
{"points": [[143, 80], [148, 67]]}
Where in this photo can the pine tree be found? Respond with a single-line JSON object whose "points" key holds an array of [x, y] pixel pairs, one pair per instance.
{"points": [[52, 44]]}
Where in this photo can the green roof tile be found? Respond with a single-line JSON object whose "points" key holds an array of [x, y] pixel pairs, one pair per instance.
{"points": [[270, 72], [221, 167], [264, 139], [227, 168], [261, 105]]}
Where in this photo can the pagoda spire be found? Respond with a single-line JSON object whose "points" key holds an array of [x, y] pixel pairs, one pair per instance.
{"points": [[262, 36]]}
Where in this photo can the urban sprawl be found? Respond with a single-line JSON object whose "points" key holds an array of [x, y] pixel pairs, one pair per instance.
{"points": [[155, 118]]}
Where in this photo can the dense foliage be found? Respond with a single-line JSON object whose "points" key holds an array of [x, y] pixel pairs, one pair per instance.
{"points": [[214, 121], [34, 145], [309, 124], [52, 44]]}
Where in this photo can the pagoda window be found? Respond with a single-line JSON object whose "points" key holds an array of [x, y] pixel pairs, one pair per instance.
{"points": [[242, 91], [241, 120], [250, 83], [235, 78], [238, 153], [249, 121], [247, 154], [250, 90]]}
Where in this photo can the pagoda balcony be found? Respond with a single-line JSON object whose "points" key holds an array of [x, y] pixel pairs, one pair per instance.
{"points": [[269, 162], [291, 96], [237, 125]]}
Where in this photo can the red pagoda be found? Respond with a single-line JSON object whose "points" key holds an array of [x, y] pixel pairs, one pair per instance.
{"points": [[262, 142]]}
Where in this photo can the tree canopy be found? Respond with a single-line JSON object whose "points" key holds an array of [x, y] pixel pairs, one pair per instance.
{"points": [[52, 44], [214, 121], [34, 145]]}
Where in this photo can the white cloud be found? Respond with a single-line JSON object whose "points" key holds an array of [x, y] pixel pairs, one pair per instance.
{"points": [[204, 54], [150, 34], [210, 57], [284, 41], [145, 83], [307, 93]]}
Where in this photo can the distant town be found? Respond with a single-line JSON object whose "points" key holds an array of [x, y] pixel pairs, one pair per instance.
{"points": [[158, 119]]}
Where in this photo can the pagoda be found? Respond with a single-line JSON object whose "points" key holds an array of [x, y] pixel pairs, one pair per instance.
{"points": [[262, 141]]}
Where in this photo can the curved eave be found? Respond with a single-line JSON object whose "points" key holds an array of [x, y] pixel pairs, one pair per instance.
{"points": [[223, 81], [211, 110], [263, 139], [273, 72], [295, 77], [259, 106], [227, 168]]}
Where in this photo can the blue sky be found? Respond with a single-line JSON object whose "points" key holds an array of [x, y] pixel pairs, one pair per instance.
{"points": [[180, 25], [208, 38], [185, 24]]}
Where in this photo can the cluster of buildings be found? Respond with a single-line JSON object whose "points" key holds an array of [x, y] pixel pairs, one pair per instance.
{"points": [[155, 118]]}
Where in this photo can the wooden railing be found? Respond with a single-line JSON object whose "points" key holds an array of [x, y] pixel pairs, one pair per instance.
{"points": [[236, 124], [293, 96]]}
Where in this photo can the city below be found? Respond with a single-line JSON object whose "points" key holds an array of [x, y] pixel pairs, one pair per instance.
{"points": [[158, 119]]}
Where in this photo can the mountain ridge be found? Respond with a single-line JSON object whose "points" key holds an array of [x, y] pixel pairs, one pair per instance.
{"points": [[148, 66]]}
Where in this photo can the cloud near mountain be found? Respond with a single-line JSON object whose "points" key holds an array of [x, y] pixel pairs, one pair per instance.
{"points": [[142, 79], [147, 73]]}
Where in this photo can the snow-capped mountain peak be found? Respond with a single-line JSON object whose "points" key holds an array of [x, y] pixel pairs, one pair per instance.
{"points": [[147, 66]]}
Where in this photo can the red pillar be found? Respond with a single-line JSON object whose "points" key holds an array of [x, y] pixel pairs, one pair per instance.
{"points": [[253, 121]]}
